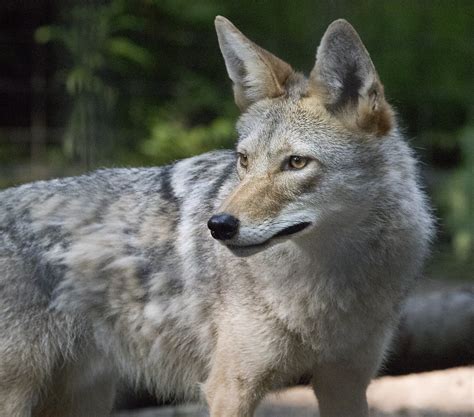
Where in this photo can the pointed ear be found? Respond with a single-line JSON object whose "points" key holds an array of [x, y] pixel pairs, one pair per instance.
{"points": [[345, 78], [255, 72]]}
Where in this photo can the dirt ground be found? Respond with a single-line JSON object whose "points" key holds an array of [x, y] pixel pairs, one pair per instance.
{"points": [[448, 393]]}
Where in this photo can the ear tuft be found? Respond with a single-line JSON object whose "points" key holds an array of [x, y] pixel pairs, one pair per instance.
{"points": [[346, 80], [255, 72]]}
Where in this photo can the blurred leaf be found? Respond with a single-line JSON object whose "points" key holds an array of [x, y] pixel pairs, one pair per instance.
{"points": [[171, 140], [52, 33], [455, 196], [125, 48]]}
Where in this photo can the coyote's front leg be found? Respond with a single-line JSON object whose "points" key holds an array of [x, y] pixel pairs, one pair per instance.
{"points": [[240, 374], [230, 390], [227, 397]]}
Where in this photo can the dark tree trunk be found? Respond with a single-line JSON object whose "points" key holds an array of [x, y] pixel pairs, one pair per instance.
{"points": [[436, 332]]}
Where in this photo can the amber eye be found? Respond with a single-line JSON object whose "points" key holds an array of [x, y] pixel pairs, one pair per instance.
{"points": [[297, 162], [243, 160]]}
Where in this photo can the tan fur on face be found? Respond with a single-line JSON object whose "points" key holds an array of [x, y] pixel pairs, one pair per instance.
{"points": [[263, 197], [257, 199]]}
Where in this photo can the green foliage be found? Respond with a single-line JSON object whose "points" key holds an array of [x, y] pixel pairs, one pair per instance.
{"points": [[456, 200], [171, 140], [95, 40]]}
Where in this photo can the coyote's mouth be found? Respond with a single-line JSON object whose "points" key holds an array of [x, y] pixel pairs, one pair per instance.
{"points": [[290, 230]]}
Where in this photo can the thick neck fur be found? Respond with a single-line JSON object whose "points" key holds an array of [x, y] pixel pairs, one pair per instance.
{"points": [[343, 260]]}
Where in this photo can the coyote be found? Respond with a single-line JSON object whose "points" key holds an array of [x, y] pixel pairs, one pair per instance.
{"points": [[318, 227]]}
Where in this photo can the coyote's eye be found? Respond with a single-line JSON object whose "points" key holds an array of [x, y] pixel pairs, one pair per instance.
{"points": [[243, 160], [297, 162]]}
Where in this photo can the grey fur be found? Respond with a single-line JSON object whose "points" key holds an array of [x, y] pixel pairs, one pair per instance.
{"points": [[115, 273]]}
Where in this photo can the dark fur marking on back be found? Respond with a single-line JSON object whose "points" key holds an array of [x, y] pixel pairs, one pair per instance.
{"points": [[161, 258], [47, 277], [166, 190], [204, 164], [205, 262], [170, 206], [158, 256], [227, 172], [32, 245]]}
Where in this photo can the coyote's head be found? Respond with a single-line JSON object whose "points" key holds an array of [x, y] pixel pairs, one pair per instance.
{"points": [[309, 149]]}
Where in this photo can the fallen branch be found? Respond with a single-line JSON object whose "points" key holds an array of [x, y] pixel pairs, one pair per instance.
{"points": [[436, 332]]}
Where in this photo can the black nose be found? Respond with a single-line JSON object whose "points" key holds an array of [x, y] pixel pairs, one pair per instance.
{"points": [[223, 226]]}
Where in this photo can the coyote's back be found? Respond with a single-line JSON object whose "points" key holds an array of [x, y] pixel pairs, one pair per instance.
{"points": [[317, 228]]}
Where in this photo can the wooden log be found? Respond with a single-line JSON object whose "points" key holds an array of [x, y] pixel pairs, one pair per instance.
{"points": [[436, 331]]}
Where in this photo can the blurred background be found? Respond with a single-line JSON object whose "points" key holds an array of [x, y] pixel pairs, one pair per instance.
{"points": [[87, 84]]}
